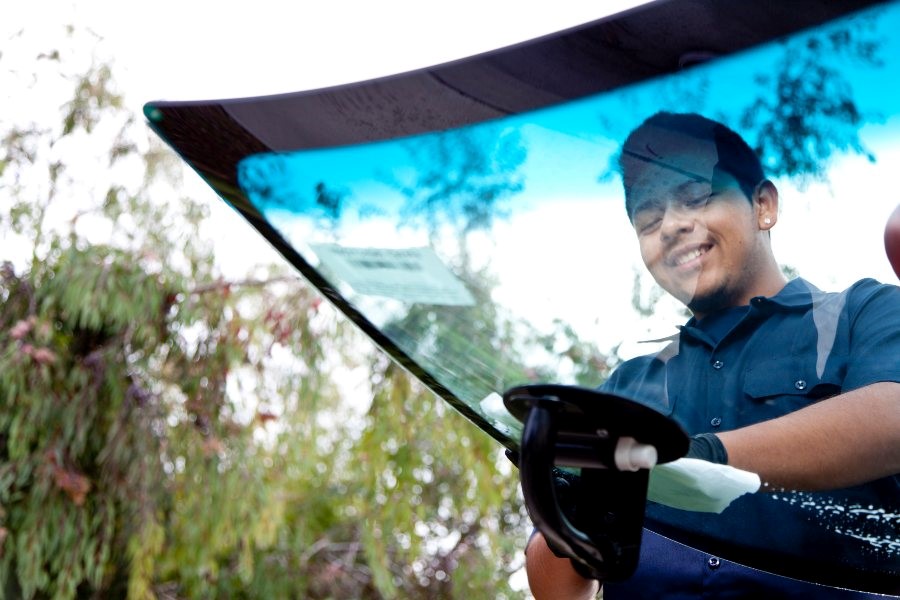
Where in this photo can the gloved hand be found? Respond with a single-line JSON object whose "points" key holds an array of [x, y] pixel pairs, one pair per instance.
{"points": [[708, 446]]}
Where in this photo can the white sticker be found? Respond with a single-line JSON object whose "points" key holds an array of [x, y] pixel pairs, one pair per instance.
{"points": [[412, 275]]}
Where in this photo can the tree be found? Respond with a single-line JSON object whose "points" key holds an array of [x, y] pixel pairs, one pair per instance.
{"points": [[167, 431]]}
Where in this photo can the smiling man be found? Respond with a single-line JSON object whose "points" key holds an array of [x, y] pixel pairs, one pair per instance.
{"points": [[723, 259], [775, 377]]}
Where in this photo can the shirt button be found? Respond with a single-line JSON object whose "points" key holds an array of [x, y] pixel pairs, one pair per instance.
{"points": [[713, 563], [715, 421], [718, 364], [800, 384]]}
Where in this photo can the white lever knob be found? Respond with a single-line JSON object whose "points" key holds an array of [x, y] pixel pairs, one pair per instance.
{"points": [[630, 455]]}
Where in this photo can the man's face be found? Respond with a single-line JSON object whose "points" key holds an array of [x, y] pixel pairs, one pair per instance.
{"points": [[698, 237]]}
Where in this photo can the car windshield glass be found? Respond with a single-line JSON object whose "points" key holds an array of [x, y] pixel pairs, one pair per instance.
{"points": [[503, 253]]}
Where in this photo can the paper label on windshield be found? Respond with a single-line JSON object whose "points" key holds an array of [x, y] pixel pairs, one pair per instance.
{"points": [[413, 275]]}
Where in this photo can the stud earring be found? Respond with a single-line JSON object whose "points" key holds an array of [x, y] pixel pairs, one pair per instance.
{"points": [[767, 221]]}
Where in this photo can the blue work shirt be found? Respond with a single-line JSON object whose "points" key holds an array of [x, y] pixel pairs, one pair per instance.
{"points": [[774, 357]]}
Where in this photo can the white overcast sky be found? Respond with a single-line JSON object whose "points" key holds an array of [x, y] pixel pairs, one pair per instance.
{"points": [[203, 49]]}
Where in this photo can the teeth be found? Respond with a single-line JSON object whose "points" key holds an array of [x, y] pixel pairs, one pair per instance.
{"points": [[684, 258]]}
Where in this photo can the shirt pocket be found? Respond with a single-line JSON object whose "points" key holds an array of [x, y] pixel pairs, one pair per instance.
{"points": [[780, 386]]}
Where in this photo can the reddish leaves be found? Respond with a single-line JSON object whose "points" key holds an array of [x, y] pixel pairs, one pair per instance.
{"points": [[265, 416], [72, 483], [40, 355], [68, 479]]}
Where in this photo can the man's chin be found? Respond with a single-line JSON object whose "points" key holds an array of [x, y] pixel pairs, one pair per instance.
{"points": [[709, 303]]}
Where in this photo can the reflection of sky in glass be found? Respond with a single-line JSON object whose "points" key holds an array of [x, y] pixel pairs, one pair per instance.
{"points": [[553, 271]]}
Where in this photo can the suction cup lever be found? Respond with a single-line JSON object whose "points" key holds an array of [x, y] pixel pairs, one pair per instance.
{"points": [[595, 517]]}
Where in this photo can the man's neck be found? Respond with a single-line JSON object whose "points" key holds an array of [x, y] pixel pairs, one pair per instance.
{"points": [[768, 287]]}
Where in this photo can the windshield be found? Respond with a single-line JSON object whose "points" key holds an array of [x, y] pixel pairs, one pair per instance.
{"points": [[502, 253]]}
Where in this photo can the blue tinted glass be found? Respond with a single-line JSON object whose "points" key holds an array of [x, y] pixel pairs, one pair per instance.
{"points": [[502, 253]]}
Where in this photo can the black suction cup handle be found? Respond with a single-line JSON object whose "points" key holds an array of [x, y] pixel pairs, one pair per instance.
{"points": [[598, 521], [539, 483]]}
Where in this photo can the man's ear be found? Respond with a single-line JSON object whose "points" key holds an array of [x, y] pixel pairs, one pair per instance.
{"points": [[765, 203]]}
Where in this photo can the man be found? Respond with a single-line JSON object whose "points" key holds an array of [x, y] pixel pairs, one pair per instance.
{"points": [[770, 376]]}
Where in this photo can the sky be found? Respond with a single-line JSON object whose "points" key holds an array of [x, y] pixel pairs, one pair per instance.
{"points": [[204, 49]]}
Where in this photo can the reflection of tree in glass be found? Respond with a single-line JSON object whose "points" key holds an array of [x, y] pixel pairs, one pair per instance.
{"points": [[645, 294], [805, 111], [468, 349], [267, 181], [479, 349], [801, 110], [589, 366], [329, 199], [270, 181], [460, 177]]}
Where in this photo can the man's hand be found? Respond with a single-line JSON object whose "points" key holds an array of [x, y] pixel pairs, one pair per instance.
{"points": [[553, 578]]}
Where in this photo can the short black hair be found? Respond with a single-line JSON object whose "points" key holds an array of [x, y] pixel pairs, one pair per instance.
{"points": [[735, 156]]}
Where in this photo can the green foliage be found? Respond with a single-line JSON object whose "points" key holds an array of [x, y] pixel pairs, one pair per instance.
{"points": [[424, 465], [166, 431]]}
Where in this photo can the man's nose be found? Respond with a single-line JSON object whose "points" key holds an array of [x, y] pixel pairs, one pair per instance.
{"points": [[676, 222]]}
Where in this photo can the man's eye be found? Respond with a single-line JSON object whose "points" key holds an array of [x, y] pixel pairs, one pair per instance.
{"points": [[648, 225], [697, 201]]}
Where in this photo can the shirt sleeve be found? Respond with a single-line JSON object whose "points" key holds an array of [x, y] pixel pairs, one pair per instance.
{"points": [[642, 379], [874, 332]]}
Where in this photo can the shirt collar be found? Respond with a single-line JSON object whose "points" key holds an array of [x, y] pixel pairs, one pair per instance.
{"points": [[797, 294]]}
